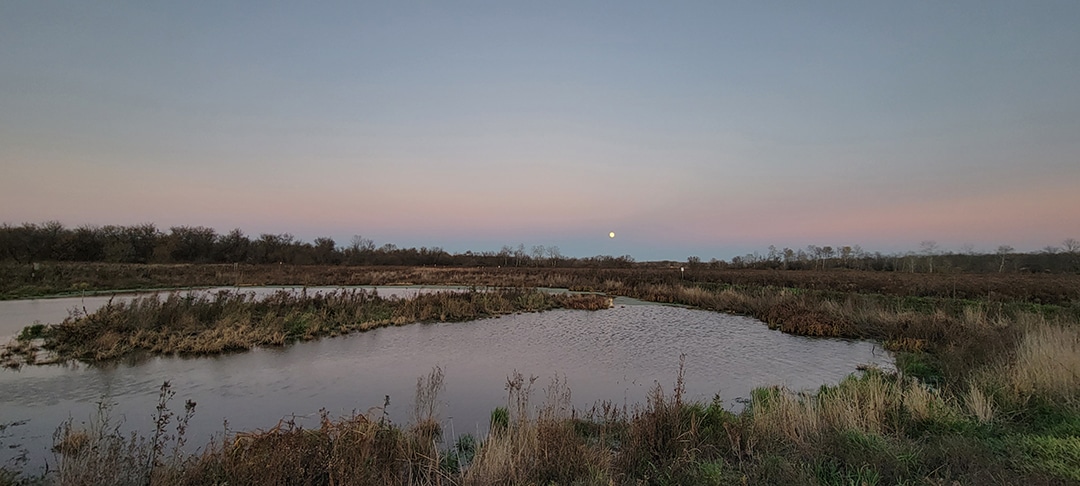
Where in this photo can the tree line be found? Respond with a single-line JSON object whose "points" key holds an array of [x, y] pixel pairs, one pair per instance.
{"points": [[145, 243], [930, 258]]}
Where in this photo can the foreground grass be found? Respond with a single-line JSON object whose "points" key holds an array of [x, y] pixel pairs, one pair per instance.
{"points": [[227, 321]]}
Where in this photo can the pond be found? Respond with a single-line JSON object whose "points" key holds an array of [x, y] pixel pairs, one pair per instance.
{"points": [[617, 354]]}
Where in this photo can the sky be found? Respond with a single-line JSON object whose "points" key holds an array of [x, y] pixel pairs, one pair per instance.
{"points": [[709, 128]]}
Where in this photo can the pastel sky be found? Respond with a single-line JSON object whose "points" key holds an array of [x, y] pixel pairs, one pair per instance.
{"points": [[688, 128]]}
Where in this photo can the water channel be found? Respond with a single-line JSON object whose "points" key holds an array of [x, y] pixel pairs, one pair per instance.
{"points": [[617, 354]]}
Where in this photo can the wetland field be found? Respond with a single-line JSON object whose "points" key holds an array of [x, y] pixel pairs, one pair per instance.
{"points": [[282, 374]]}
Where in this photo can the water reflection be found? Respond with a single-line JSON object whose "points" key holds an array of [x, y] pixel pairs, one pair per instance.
{"points": [[616, 354]]}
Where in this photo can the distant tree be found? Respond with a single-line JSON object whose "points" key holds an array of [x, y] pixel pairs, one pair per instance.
{"points": [[190, 243], [30, 242], [910, 261], [359, 251], [519, 255], [554, 255], [270, 248], [858, 254], [144, 239], [131, 244], [693, 261], [1003, 252], [929, 248], [773, 257], [846, 253], [538, 252], [815, 252], [325, 251], [84, 244], [14, 241], [505, 253], [233, 247], [361, 244], [1071, 245]]}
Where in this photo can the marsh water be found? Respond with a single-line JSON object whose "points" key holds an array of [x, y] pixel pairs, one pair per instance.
{"points": [[616, 354]]}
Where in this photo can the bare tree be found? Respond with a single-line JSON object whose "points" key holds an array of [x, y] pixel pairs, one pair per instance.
{"points": [[538, 253], [1003, 251], [360, 244], [519, 254], [845, 254], [774, 256], [1071, 245], [817, 253], [554, 255], [929, 248], [360, 250], [505, 253]]}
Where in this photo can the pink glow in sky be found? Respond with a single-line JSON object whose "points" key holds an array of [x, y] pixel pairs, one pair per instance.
{"points": [[706, 130]]}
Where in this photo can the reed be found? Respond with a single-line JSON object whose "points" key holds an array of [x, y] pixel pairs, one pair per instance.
{"points": [[67, 278], [234, 321]]}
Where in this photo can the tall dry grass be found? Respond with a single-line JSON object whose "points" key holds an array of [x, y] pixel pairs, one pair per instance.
{"points": [[358, 449], [876, 403], [1043, 369], [96, 452], [1047, 363], [538, 446]]}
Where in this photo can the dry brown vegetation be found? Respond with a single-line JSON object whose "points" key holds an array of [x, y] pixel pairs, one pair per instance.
{"points": [[988, 392], [180, 323], [73, 278]]}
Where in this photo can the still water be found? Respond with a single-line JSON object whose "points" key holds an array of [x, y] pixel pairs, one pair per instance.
{"points": [[616, 354]]}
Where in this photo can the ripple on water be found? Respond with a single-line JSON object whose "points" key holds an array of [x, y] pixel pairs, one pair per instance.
{"points": [[616, 354]]}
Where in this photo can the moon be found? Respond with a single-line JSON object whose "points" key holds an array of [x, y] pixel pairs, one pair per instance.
{"points": [[611, 235]]}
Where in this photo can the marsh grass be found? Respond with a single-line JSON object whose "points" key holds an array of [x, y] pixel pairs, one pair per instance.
{"points": [[64, 278], [97, 452], [189, 324], [987, 392], [357, 449], [958, 337], [536, 446]]}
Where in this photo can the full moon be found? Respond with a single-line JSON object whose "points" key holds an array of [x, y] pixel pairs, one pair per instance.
{"points": [[611, 235]]}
